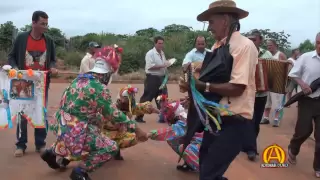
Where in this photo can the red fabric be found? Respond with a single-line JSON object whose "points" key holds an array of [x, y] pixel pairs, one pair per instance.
{"points": [[35, 53]]}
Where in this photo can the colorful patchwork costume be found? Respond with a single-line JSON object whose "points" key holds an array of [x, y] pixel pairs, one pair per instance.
{"points": [[175, 115], [85, 106], [127, 104]]}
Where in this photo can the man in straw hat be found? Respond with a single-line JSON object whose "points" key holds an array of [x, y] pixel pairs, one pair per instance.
{"points": [[85, 105], [234, 59]]}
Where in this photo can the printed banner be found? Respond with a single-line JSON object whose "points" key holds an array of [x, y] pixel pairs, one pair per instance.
{"points": [[22, 94]]}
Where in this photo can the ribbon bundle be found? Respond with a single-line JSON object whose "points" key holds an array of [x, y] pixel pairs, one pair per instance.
{"points": [[201, 104]]}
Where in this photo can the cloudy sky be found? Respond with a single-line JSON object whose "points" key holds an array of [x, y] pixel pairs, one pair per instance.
{"points": [[301, 19]]}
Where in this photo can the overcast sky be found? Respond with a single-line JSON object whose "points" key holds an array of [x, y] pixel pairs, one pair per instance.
{"points": [[301, 19]]}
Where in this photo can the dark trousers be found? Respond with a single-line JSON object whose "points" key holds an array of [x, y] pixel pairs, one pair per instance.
{"points": [[40, 134], [151, 90], [308, 111], [250, 141], [218, 151]]}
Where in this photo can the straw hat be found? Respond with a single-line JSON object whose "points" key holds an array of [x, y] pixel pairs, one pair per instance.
{"points": [[222, 6]]}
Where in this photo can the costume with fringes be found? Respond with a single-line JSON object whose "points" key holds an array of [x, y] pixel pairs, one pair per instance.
{"points": [[176, 116]]}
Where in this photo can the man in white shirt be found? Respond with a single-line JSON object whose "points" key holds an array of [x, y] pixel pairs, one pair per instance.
{"points": [[156, 69], [198, 53], [304, 72], [87, 62]]}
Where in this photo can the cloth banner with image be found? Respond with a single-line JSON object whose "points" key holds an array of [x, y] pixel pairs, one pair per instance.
{"points": [[22, 94]]}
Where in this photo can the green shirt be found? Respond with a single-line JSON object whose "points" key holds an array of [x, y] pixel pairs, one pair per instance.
{"points": [[263, 54]]}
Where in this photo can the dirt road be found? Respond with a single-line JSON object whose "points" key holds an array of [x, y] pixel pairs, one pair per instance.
{"points": [[154, 160]]}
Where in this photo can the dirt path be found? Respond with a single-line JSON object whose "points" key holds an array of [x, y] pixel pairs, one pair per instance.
{"points": [[154, 160]]}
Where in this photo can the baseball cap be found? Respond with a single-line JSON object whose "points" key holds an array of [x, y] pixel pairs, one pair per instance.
{"points": [[254, 33], [94, 45], [101, 67]]}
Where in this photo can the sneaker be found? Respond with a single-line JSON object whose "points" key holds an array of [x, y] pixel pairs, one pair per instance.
{"points": [[276, 123], [78, 174], [252, 155], [317, 173], [292, 158], [265, 121], [18, 153], [50, 158]]}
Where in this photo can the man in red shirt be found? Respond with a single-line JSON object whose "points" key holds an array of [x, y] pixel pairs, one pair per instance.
{"points": [[33, 50]]}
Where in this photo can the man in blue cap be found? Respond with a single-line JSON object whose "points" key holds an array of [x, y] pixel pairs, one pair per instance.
{"points": [[87, 62]]}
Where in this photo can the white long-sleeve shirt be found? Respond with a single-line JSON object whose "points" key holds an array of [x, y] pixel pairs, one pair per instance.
{"points": [[87, 63]]}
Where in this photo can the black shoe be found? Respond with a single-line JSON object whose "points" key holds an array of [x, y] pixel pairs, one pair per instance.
{"points": [[63, 163], [49, 157], [252, 155], [118, 157], [79, 175], [185, 168], [140, 121]]}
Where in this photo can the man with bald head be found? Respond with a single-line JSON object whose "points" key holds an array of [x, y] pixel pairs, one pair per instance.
{"points": [[198, 53]]}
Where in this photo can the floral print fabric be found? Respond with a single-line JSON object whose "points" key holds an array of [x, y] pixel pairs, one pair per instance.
{"points": [[85, 106], [173, 135]]}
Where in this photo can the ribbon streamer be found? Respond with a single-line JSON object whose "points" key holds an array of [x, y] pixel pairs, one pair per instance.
{"points": [[6, 98]]}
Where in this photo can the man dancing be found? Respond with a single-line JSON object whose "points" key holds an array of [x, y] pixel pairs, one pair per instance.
{"points": [[234, 61], [85, 105]]}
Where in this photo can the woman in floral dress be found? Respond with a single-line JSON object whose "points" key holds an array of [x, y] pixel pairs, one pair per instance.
{"points": [[175, 115], [85, 105]]}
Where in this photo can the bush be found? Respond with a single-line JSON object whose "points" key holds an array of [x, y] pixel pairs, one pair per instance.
{"points": [[61, 52], [3, 58], [73, 59]]}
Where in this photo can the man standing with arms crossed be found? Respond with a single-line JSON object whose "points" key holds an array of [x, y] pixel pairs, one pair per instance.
{"points": [[40, 50], [156, 69]]}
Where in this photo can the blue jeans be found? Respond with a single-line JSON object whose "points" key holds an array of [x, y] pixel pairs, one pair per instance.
{"points": [[40, 134]]}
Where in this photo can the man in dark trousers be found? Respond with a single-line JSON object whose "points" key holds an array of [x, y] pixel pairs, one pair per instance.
{"points": [[304, 72], [250, 143], [156, 69], [41, 56], [227, 76]]}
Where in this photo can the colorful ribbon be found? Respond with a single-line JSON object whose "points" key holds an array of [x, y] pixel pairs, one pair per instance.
{"points": [[6, 99]]}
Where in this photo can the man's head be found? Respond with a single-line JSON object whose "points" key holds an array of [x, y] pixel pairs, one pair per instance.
{"points": [[40, 22], [256, 37], [93, 46], [318, 43], [219, 24], [295, 53], [200, 43], [272, 46], [158, 43]]}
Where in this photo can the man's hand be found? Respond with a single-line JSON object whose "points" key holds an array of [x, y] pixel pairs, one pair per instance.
{"points": [[141, 135], [54, 71], [184, 87], [166, 64], [305, 88]]}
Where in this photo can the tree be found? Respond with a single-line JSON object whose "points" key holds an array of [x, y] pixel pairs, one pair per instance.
{"points": [[306, 46], [26, 27], [7, 31], [150, 32], [175, 28]]}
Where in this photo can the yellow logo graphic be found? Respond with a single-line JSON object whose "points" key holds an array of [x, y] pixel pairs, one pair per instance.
{"points": [[274, 157]]}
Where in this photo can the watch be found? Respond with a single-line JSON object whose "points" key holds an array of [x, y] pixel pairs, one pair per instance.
{"points": [[207, 87]]}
